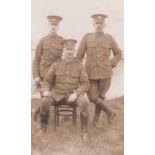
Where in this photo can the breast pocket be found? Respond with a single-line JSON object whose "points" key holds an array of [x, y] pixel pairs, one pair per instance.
{"points": [[60, 76], [106, 49], [46, 45], [58, 46], [91, 46], [57, 51], [74, 78], [106, 46]]}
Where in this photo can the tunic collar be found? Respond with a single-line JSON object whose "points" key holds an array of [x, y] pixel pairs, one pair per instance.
{"points": [[67, 63], [100, 34], [52, 35]]}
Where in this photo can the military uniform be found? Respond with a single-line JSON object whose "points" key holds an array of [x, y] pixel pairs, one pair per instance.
{"points": [[63, 79], [98, 47], [48, 50]]}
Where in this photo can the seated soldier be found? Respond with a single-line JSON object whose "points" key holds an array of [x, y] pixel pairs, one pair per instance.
{"points": [[66, 78]]}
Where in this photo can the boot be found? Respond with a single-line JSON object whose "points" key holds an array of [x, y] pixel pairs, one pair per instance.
{"points": [[110, 114], [44, 121], [111, 117], [96, 117], [84, 125]]}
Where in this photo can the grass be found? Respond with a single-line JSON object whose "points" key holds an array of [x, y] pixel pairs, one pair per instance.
{"points": [[108, 140]]}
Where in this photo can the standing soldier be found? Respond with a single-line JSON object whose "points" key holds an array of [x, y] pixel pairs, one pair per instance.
{"points": [[98, 47], [66, 79], [48, 51]]}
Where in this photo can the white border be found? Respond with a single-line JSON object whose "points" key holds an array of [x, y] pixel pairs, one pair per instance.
{"points": [[139, 77], [15, 67]]}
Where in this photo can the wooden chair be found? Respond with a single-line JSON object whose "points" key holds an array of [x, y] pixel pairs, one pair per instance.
{"points": [[65, 109]]}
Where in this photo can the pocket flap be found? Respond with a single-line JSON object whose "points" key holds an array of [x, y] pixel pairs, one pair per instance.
{"points": [[91, 44], [60, 72], [46, 45], [108, 46]]}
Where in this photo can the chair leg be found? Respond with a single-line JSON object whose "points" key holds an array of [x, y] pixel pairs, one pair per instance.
{"points": [[55, 118], [74, 116], [57, 115]]}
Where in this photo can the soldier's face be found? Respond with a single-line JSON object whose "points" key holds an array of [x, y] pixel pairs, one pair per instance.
{"points": [[68, 54], [98, 27], [53, 28]]}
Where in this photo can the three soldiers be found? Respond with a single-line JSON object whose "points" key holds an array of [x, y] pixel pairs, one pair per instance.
{"points": [[67, 79]]}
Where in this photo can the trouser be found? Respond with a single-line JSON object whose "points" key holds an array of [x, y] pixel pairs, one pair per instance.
{"points": [[81, 102], [96, 94]]}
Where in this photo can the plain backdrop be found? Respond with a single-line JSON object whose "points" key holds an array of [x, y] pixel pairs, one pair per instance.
{"points": [[77, 22]]}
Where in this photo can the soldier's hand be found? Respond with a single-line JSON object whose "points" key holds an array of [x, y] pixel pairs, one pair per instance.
{"points": [[72, 97], [46, 93], [37, 80], [113, 65]]}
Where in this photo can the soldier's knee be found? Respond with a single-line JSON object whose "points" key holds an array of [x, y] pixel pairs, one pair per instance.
{"points": [[83, 102], [48, 101], [92, 98], [44, 100]]}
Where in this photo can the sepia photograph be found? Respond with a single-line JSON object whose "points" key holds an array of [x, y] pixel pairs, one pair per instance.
{"points": [[77, 80], [64, 80]]}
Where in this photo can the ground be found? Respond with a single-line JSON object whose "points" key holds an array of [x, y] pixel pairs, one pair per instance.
{"points": [[108, 140]]}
